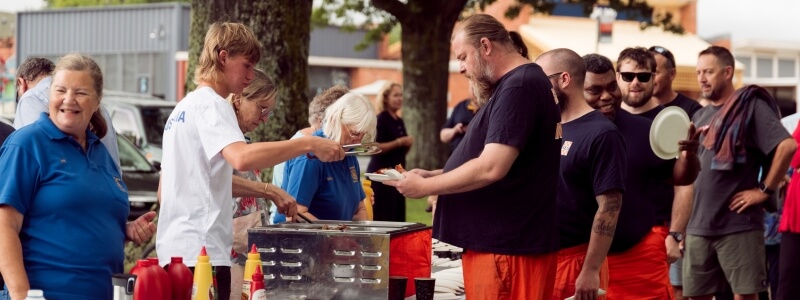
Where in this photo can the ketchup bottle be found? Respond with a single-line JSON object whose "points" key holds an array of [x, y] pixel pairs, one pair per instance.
{"points": [[146, 281], [257, 291], [163, 282], [180, 278]]}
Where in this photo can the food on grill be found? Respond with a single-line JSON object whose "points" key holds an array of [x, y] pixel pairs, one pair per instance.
{"points": [[341, 227]]}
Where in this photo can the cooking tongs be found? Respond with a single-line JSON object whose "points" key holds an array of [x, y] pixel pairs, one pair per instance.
{"points": [[356, 149]]}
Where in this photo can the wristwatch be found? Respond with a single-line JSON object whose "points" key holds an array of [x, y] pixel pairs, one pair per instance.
{"points": [[676, 235], [764, 189]]}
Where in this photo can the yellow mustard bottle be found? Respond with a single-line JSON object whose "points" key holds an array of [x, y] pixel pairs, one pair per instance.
{"points": [[253, 262], [202, 286]]}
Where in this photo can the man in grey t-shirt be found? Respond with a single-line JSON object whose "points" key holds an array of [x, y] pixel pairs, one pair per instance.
{"points": [[725, 232]]}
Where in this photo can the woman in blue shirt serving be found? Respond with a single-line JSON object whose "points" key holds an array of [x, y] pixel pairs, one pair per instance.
{"points": [[332, 190], [63, 204]]}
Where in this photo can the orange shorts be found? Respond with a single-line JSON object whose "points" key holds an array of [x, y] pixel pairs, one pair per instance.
{"points": [[570, 263], [642, 272], [505, 277]]}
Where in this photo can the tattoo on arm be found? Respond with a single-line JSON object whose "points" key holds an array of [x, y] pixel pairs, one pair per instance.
{"points": [[605, 222], [613, 203], [603, 227]]}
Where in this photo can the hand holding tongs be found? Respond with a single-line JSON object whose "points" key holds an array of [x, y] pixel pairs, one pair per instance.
{"points": [[363, 148]]}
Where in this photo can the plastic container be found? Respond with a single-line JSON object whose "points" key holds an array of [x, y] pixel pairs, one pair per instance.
{"points": [[35, 295], [257, 291], [147, 286], [180, 278], [253, 262], [202, 285], [162, 283]]}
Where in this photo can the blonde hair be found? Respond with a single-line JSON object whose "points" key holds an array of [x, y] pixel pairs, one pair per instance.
{"points": [[83, 63], [235, 38], [351, 109], [316, 109], [383, 95], [261, 87]]}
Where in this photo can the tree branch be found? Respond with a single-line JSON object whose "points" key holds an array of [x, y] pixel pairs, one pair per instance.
{"points": [[394, 7]]}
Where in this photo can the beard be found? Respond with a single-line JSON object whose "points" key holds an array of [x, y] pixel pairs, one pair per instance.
{"points": [[713, 95], [637, 102], [482, 85], [562, 98]]}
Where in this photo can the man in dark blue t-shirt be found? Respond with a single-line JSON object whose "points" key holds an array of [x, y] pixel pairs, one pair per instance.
{"points": [[497, 191], [590, 183], [666, 96], [636, 260]]}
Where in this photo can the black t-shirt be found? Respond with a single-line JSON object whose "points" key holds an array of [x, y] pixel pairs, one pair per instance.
{"points": [[638, 206], [715, 188], [460, 114], [389, 129], [517, 214], [592, 164], [687, 104], [5, 131], [657, 178]]}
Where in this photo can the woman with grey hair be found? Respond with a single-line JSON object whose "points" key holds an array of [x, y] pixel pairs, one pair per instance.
{"points": [[332, 190]]}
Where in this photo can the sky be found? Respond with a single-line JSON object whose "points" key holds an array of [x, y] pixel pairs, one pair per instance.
{"points": [[773, 20]]}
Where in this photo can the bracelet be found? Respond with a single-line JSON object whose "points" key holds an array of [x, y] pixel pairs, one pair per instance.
{"points": [[266, 185]]}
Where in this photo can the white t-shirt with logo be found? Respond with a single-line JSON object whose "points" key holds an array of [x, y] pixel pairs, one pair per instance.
{"points": [[196, 180]]}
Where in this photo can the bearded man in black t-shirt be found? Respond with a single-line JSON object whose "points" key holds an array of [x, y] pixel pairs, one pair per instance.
{"points": [[591, 181], [498, 189]]}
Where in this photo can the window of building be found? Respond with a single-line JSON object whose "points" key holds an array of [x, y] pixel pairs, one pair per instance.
{"points": [[747, 62], [786, 68], [764, 67]]}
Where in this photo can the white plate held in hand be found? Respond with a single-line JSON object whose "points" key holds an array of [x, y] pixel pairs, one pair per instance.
{"points": [[670, 126]]}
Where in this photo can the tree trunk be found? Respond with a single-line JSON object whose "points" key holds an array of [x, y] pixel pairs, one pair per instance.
{"points": [[284, 31], [426, 53]]}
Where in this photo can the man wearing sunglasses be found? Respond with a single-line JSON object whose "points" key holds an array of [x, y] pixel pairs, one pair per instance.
{"points": [[591, 181], [666, 96], [636, 261]]}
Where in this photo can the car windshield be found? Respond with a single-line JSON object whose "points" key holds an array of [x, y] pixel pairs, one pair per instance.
{"points": [[154, 119], [130, 159]]}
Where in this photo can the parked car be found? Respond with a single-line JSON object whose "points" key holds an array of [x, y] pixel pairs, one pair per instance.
{"points": [[139, 176], [140, 118]]}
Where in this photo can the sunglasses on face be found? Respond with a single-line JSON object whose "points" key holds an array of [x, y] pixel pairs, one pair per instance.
{"points": [[663, 51], [641, 76]]}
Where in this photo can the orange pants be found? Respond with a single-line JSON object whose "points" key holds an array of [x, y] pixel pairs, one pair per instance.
{"points": [[508, 277], [642, 272], [570, 263]]}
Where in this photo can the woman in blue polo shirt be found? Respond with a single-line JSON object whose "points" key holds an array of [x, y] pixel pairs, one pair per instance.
{"points": [[63, 205], [332, 190]]}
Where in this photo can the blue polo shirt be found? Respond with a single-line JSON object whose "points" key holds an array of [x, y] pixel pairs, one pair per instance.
{"points": [[331, 191], [74, 206]]}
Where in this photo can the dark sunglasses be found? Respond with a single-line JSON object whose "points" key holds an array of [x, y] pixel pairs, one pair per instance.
{"points": [[663, 51], [642, 76]]}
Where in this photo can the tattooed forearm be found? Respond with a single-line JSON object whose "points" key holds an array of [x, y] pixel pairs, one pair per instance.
{"points": [[604, 228], [610, 203]]}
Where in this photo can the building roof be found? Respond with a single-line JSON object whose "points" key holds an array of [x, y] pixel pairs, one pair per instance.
{"points": [[580, 35]]}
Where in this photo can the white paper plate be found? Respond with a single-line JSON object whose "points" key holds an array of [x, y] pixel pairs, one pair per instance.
{"points": [[669, 127], [377, 177]]}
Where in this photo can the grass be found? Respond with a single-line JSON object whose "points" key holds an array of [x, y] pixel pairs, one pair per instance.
{"points": [[415, 211]]}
